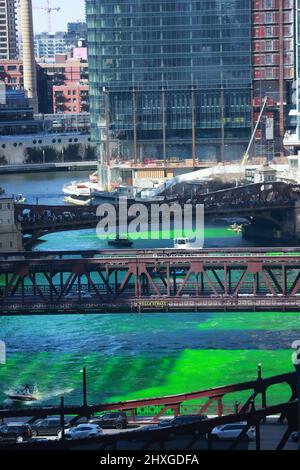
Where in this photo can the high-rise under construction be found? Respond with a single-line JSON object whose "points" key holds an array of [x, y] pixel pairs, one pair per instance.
{"points": [[8, 30]]}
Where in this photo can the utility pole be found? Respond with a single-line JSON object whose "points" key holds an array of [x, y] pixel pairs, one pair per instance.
{"points": [[84, 387]]}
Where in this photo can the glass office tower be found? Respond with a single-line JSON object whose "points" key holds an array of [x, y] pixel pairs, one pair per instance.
{"points": [[171, 79]]}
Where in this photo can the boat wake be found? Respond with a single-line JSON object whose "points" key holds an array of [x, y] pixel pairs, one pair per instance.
{"points": [[56, 393]]}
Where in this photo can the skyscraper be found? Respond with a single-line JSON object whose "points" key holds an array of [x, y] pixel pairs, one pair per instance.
{"points": [[171, 78], [8, 30]]}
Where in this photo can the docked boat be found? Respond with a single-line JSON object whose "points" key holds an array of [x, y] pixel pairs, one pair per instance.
{"points": [[77, 201], [79, 188], [114, 195], [94, 178]]}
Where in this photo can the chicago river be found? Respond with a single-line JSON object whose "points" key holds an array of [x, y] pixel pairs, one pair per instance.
{"points": [[137, 356]]}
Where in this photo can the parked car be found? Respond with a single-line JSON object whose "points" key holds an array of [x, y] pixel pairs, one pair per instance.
{"points": [[83, 431], [295, 436], [15, 432], [232, 431], [177, 421], [116, 420], [46, 427], [182, 419]]}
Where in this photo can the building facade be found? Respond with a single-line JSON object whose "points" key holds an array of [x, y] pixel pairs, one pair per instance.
{"points": [[57, 79], [171, 79], [70, 99], [11, 73], [28, 138], [76, 31], [47, 45], [16, 116], [10, 234], [64, 77], [292, 137], [8, 30], [273, 39]]}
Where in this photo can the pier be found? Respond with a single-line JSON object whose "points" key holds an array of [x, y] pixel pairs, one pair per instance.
{"points": [[50, 166]]}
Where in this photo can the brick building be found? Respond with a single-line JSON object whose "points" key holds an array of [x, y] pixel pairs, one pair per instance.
{"points": [[11, 72], [71, 98], [61, 83]]}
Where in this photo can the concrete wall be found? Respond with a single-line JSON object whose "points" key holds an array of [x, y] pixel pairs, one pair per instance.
{"points": [[14, 149]]}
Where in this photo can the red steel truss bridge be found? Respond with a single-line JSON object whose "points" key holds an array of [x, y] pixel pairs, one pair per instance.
{"points": [[143, 280], [254, 410], [271, 209]]}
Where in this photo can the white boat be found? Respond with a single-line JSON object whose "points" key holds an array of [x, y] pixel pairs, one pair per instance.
{"points": [[236, 228], [182, 243], [76, 201], [79, 188], [94, 178], [24, 396], [114, 195], [20, 199]]}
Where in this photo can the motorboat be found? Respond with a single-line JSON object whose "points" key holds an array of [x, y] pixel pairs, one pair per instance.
{"points": [[236, 228], [23, 396], [79, 188], [19, 199]]}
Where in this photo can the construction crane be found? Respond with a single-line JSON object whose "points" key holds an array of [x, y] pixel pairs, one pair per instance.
{"points": [[48, 9], [246, 156]]}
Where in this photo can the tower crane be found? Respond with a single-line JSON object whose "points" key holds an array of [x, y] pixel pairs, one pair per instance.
{"points": [[246, 155], [48, 9]]}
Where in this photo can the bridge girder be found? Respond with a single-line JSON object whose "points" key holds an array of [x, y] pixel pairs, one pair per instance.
{"points": [[150, 282]]}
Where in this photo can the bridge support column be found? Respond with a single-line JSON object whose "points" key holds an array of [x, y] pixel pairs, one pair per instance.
{"points": [[297, 220], [276, 226]]}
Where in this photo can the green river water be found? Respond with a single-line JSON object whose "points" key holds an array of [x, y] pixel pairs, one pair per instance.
{"points": [[137, 356]]}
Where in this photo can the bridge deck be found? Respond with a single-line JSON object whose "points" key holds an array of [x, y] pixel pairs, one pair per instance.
{"points": [[163, 280]]}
